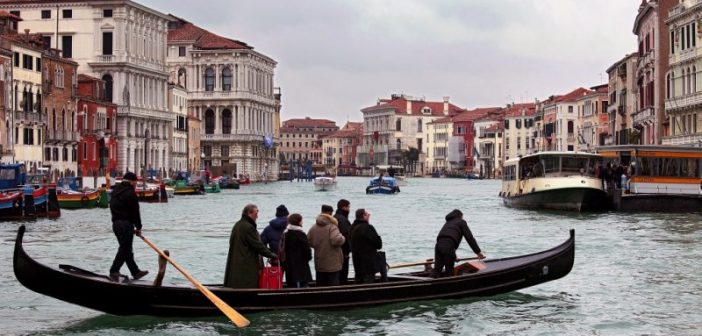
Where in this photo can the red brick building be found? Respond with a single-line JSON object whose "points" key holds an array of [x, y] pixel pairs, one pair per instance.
{"points": [[463, 128], [301, 139], [97, 150]]}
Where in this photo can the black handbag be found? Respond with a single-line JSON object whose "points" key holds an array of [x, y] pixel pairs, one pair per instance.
{"points": [[381, 265]]}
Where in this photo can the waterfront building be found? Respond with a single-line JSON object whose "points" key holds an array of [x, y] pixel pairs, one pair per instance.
{"points": [[96, 123], [339, 148], [27, 122], [622, 101], [462, 149], [652, 68], [488, 143], [394, 128], [230, 88], [124, 44], [593, 119], [5, 91], [194, 134], [60, 84], [301, 139], [683, 92], [559, 116], [178, 104], [518, 130], [438, 133]]}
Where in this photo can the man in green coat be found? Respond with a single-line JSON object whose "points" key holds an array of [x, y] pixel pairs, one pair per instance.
{"points": [[245, 248]]}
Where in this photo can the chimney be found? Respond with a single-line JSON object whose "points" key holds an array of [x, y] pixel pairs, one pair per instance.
{"points": [[446, 105], [409, 105], [26, 35]]}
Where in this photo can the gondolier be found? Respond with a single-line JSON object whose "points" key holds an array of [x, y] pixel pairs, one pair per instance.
{"points": [[124, 207], [447, 242]]}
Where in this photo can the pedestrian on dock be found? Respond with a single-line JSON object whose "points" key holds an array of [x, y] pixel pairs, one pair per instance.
{"points": [[447, 242]]}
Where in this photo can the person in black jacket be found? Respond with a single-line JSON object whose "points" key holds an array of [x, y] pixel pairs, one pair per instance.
{"points": [[343, 208], [365, 243], [447, 243], [124, 207], [296, 254], [272, 233]]}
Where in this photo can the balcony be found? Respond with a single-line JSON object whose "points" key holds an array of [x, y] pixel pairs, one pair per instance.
{"points": [[235, 94], [679, 140], [237, 135], [133, 111], [645, 114], [677, 9], [681, 102], [28, 117], [58, 136], [106, 58]]}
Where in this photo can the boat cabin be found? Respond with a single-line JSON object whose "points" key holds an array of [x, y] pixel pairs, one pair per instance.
{"points": [[12, 175], [552, 164]]}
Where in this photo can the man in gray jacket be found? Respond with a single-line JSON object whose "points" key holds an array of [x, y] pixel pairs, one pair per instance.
{"points": [[326, 240]]}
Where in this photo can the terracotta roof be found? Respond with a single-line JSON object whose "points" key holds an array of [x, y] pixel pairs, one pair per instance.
{"points": [[516, 110], [6, 14], [352, 125], [399, 105], [346, 133], [472, 115], [572, 95], [493, 128], [308, 122], [84, 77], [203, 39]]}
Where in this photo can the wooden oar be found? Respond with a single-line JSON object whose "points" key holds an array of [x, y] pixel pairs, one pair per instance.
{"points": [[429, 261], [238, 319]]}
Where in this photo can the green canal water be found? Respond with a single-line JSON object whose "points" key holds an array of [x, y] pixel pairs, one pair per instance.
{"points": [[634, 274]]}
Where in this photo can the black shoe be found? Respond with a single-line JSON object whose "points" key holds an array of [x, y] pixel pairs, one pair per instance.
{"points": [[114, 276], [139, 275]]}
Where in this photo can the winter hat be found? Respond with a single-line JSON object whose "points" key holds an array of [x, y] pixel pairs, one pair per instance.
{"points": [[281, 211], [454, 214], [327, 209], [129, 176]]}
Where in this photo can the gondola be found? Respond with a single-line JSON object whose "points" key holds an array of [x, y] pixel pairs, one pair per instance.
{"points": [[140, 297]]}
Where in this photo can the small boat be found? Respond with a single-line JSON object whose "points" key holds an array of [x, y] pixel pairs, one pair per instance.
{"points": [[324, 183], [185, 188], [71, 199], [212, 188], [24, 196], [554, 180], [473, 176], [388, 185], [140, 297], [398, 172]]}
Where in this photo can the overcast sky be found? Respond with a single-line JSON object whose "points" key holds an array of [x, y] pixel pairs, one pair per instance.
{"points": [[338, 56]]}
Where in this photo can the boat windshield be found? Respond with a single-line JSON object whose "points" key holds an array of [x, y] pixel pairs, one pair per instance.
{"points": [[553, 165], [7, 174]]}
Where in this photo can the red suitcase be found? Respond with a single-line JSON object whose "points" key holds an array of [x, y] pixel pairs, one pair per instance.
{"points": [[271, 277]]}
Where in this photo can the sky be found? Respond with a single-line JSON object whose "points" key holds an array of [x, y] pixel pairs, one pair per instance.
{"points": [[336, 57]]}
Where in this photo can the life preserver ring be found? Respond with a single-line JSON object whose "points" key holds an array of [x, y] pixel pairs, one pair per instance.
{"points": [[84, 200]]}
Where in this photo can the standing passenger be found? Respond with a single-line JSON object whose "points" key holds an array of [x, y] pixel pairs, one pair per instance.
{"points": [[365, 243], [296, 254], [271, 234], [326, 240], [245, 248], [447, 243], [343, 208]]}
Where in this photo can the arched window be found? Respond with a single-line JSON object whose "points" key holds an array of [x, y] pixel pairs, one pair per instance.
{"points": [[570, 126], [209, 79], [226, 79], [73, 121], [398, 124], [182, 78], [108, 87], [63, 120], [694, 79], [209, 122], [226, 121], [419, 125]]}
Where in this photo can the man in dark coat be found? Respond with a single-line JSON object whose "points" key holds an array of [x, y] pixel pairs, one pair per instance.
{"points": [[272, 233], [296, 254], [365, 243], [447, 243], [245, 248], [124, 207], [343, 207]]}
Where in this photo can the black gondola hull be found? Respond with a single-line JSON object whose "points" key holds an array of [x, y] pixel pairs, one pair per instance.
{"points": [[141, 298]]}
